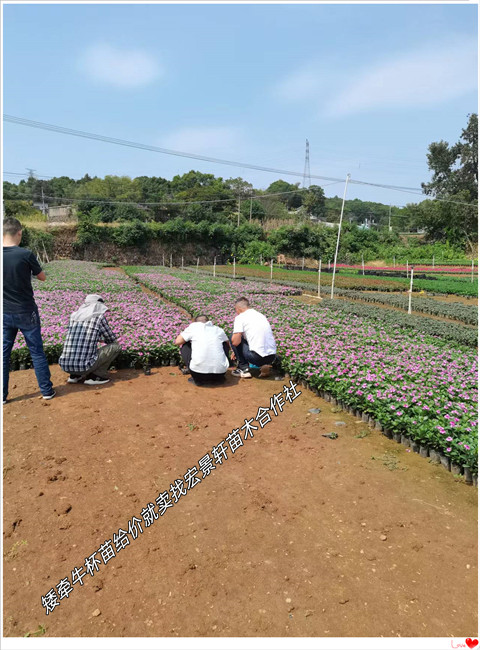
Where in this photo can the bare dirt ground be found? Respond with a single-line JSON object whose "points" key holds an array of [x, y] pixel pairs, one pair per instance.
{"points": [[294, 535]]}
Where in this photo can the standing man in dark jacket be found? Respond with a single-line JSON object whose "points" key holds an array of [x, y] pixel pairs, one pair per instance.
{"points": [[20, 311]]}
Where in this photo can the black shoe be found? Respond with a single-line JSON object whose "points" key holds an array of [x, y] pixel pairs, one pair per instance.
{"points": [[95, 380], [74, 379], [185, 371], [50, 395], [244, 374]]}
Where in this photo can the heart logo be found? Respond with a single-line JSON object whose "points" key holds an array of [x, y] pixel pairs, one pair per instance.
{"points": [[471, 644]]}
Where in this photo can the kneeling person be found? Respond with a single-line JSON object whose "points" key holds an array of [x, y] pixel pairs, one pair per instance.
{"points": [[204, 351], [252, 340], [81, 356]]}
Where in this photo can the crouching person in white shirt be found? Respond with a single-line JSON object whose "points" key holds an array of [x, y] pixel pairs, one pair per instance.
{"points": [[204, 350], [252, 340]]}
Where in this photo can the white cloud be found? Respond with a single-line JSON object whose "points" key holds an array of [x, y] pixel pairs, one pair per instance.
{"points": [[122, 68], [211, 141], [299, 85], [421, 78]]}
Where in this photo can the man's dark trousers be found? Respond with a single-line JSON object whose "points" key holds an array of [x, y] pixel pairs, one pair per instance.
{"points": [[29, 325], [245, 356], [201, 377]]}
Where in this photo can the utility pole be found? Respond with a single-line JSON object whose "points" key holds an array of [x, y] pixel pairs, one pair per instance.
{"points": [[338, 237], [390, 219], [43, 202], [307, 180]]}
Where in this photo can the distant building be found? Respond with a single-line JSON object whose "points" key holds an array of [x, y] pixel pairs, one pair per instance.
{"points": [[62, 214]]}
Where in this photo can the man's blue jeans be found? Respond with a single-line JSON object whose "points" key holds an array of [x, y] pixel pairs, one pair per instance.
{"points": [[29, 325], [245, 356]]}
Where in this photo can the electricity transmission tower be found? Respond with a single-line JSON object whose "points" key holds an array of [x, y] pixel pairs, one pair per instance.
{"points": [[307, 180]]}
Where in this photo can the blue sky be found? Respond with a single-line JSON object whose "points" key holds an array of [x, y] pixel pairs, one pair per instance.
{"points": [[370, 86]]}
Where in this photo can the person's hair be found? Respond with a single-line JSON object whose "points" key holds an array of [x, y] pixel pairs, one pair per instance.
{"points": [[243, 303], [11, 226], [201, 319]]}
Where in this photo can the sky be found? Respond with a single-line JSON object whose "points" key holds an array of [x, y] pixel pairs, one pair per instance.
{"points": [[370, 87]]}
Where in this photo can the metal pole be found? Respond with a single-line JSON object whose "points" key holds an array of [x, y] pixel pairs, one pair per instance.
{"points": [[329, 265], [319, 273], [261, 260], [214, 266], [410, 293], [198, 262], [303, 263], [170, 260], [338, 237], [163, 259], [363, 265], [234, 267], [390, 218], [182, 262], [473, 268], [407, 268], [271, 269], [394, 264]]}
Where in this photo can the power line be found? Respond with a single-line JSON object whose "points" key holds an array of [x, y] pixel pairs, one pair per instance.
{"points": [[136, 145]]}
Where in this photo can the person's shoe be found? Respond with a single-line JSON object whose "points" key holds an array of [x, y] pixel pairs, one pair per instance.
{"points": [[185, 371], [74, 379], [5, 401], [50, 395], [265, 370], [243, 374], [95, 380]]}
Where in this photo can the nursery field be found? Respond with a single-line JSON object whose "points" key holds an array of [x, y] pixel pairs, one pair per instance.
{"points": [[375, 541], [348, 278]]}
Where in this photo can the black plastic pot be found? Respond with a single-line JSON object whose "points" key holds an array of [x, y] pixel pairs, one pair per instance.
{"points": [[424, 451], [468, 475], [415, 447], [388, 433], [405, 441], [397, 437], [435, 456], [445, 462], [456, 469]]}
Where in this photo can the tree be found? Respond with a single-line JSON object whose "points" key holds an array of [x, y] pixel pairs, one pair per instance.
{"points": [[455, 178], [258, 211], [284, 191], [314, 201]]}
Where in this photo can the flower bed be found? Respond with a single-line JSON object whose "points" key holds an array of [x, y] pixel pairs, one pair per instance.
{"points": [[145, 326], [409, 382]]}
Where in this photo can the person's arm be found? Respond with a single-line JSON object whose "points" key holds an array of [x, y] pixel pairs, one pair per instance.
{"points": [[184, 336], [106, 333], [36, 268], [237, 331]]}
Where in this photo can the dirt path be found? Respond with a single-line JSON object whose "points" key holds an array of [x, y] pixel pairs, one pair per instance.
{"points": [[294, 535]]}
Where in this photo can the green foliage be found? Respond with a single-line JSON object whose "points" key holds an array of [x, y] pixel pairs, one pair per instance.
{"points": [[36, 240], [257, 208], [22, 210], [132, 233], [455, 177], [256, 250], [314, 201], [88, 231]]}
